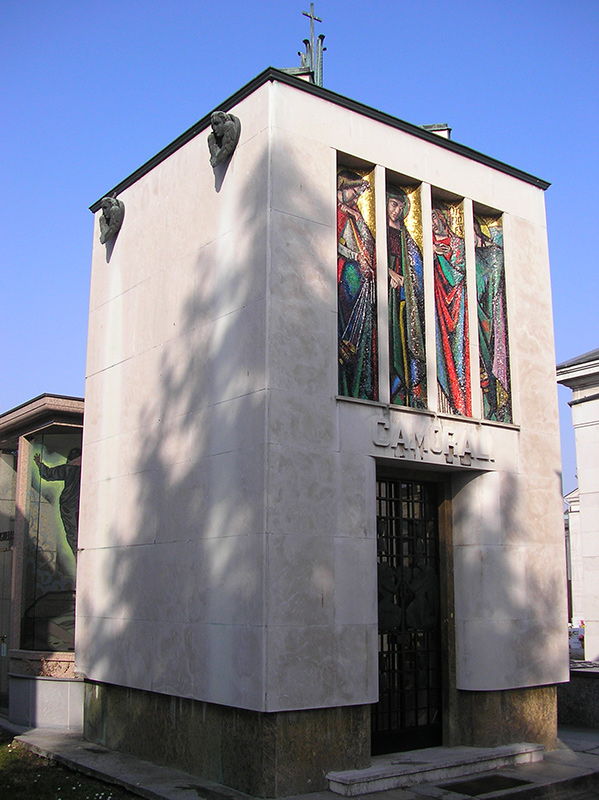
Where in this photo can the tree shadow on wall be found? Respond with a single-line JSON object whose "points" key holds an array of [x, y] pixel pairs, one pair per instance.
{"points": [[172, 601]]}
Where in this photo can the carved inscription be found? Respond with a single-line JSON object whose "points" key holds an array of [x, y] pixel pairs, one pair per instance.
{"points": [[432, 441]]}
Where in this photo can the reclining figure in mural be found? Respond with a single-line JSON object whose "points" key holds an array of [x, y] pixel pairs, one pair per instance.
{"points": [[70, 473]]}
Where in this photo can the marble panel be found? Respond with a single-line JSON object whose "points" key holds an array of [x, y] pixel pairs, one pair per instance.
{"points": [[120, 510], [223, 579], [589, 474], [531, 509], [111, 333], [151, 322], [112, 583], [107, 279], [301, 491], [490, 582], [181, 503], [476, 512], [506, 654], [302, 665], [589, 523], [171, 667], [236, 487], [298, 335], [173, 382], [302, 420], [540, 453], [230, 425], [303, 172], [357, 664], [125, 397], [178, 301], [591, 587], [355, 581], [301, 580], [356, 496], [117, 455], [545, 581], [303, 258], [230, 270], [226, 662], [119, 651], [591, 631], [237, 358]]}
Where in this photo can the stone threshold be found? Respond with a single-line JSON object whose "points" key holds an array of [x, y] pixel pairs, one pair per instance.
{"points": [[401, 770]]}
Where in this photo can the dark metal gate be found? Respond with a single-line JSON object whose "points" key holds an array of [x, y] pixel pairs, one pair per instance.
{"points": [[408, 714]]}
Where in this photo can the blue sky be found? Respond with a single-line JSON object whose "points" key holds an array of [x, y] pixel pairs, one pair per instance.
{"points": [[91, 90]]}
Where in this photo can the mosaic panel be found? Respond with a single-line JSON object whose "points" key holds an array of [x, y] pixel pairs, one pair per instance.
{"points": [[356, 284], [407, 357], [492, 319], [451, 309]]}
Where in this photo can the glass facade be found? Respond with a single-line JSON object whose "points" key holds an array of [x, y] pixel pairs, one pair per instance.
{"points": [[51, 542]]}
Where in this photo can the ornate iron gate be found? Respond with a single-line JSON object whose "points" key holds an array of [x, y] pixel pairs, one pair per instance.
{"points": [[408, 713]]}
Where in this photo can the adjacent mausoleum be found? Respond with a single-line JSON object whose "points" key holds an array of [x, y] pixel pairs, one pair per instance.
{"points": [[581, 374], [321, 508], [40, 470]]}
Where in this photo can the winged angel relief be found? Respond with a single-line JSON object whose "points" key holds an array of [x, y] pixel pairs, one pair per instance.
{"points": [[223, 140]]}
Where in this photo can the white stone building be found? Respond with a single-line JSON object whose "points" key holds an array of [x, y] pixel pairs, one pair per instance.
{"points": [[581, 374], [247, 451]]}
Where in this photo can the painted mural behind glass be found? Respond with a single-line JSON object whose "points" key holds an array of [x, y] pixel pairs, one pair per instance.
{"points": [[51, 546], [492, 319], [451, 309], [356, 284], [407, 358]]}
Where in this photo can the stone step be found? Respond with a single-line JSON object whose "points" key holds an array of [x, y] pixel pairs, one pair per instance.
{"points": [[401, 770]]}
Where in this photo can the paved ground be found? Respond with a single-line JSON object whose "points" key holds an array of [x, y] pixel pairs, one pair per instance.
{"points": [[569, 773]]}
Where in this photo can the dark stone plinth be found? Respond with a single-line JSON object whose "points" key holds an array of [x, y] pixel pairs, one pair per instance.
{"points": [[263, 754], [492, 719], [578, 700]]}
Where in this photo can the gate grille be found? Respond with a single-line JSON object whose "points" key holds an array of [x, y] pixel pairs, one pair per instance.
{"points": [[408, 714]]}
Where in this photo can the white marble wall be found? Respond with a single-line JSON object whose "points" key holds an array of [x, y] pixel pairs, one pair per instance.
{"points": [[228, 508], [585, 417], [171, 571]]}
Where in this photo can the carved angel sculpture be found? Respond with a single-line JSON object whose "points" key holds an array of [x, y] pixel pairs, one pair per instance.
{"points": [[111, 218], [226, 129]]}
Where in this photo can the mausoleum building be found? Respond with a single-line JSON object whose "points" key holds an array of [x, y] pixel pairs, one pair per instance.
{"points": [[321, 509], [581, 374]]}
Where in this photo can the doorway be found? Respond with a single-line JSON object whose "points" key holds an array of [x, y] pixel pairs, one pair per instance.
{"points": [[408, 713]]}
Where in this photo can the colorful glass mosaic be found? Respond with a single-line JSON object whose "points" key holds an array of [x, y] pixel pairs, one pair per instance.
{"points": [[492, 319], [451, 309], [407, 358], [356, 284]]}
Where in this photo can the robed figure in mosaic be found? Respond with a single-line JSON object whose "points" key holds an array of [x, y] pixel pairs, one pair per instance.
{"points": [[406, 304], [451, 310], [492, 319], [356, 281]]}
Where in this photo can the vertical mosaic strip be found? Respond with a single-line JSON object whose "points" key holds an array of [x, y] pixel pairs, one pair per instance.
{"points": [[407, 357], [492, 319], [356, 284], [451, 309]]}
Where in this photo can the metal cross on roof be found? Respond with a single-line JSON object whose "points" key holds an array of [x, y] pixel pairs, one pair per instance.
{"points": [[312, 19], [311, 60]]}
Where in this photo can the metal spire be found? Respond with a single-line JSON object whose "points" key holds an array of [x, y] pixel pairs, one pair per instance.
{"points": [[311, 60]]}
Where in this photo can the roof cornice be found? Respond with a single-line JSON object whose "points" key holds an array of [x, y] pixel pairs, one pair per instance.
{"points": [[271, 74], [43, 410]]}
